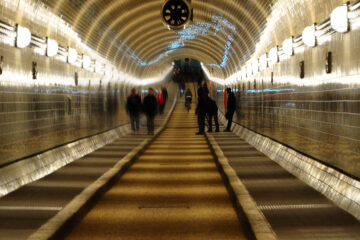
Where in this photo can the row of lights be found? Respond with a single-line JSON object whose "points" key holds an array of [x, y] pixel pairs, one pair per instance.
{"points": [[339, 22], [22, 38]]}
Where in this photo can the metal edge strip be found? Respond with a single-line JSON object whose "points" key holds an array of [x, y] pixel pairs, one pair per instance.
{"points": [[341, 189], [258, 223]]}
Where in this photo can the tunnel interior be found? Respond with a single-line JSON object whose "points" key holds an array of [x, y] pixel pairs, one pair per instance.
{"points": [[296, 89]]}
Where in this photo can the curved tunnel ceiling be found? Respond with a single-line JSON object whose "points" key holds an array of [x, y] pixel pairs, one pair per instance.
{"points": [[130, 33]]}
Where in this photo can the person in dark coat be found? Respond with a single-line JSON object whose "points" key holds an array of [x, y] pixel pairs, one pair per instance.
{"points": [[133, 107], [150, 107], [212, 112], [165, 93], [230, 108], [201, 108]]}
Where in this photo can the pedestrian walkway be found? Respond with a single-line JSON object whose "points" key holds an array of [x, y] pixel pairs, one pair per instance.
{"points": [[173, 191]]}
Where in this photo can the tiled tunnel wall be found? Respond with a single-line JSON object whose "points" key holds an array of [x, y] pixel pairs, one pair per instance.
{"points": [[36, 115], [318, 115]]}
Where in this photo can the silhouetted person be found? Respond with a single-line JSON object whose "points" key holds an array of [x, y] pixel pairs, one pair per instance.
{"points": [[165, 93], [230, 108], [150, 107], [212, 112], [133, 107], [188, 99], [201, 108]]}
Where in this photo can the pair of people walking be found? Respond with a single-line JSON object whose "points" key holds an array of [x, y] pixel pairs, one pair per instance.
{"points": [[149, 106], [207, 107]]}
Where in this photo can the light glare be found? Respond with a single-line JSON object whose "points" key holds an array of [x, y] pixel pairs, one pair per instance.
{"points": [[308, 36], [339, 19], [72, 55], [23, 38], [287, 46], [86, 62], [273, 56], [52, 47], [263, 61]]}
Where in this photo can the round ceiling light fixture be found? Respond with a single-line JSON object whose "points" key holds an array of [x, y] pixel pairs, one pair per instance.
{"points": [[176, 14]]}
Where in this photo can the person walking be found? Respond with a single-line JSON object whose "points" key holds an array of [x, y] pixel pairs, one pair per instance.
{"points": [[149, 106], [133, 107], [201, 108], [165, 93], [160, 99], [230, 108], [188, 99], [212, 113]]}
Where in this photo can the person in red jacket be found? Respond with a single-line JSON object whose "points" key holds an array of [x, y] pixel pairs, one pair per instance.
{"points": [[160, 99]]}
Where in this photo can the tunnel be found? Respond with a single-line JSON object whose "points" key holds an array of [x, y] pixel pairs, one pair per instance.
{"points": [[180, 119]]}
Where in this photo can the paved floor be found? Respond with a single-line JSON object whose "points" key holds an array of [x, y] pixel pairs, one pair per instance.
{"points": [[173, 191], [294, 210], [23, 211]]}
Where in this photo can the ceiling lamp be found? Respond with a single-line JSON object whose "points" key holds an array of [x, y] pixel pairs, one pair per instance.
{"points": [[273, 56], [72, 55], [339, 19], [52, 47], [263, 61], [23, 37], [255, 66], [287, 46], [176, 14], [308, 36], [86, 62], [249, 70]]}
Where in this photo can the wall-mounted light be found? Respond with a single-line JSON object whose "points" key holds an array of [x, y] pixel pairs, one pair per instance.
{"points": [[243, 73], [308, 36], [255, 66], [249, 70], [263, 61], [339, 19], [72, 55], [52, 47], [273, 56], [98, 67], [86, 62], [288, 47], [23, 37]]}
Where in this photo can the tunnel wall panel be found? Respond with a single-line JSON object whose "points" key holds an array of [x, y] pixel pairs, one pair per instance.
{"points": [[317, 115], [36, 115]]}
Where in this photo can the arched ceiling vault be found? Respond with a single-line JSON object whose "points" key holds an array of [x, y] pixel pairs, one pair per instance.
{"points": [[131, 35]]}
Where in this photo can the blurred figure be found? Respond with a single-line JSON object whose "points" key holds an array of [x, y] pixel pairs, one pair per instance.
{"points": [[201, 107], [160, 99], [150, 107], [188, 99], [133, 107], [230, 108], [212, 112], [165, 93]]}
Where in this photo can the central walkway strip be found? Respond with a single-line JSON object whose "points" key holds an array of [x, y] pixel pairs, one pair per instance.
{"points": [[173, 191]]}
